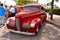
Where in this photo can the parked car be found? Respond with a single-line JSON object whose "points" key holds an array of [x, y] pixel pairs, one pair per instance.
{"points": [[28, 20]]}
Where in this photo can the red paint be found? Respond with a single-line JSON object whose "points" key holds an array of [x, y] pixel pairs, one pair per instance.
{"points": [[27, 16]]}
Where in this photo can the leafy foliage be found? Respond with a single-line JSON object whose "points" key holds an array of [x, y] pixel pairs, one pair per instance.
{"points": [[57, 0], [55, 11], [22, 2]]}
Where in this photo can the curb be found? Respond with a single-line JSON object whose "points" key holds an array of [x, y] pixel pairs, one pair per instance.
{"points": [[53, 23]]}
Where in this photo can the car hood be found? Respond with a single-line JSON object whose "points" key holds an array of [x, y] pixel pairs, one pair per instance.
{"points": [[27, 13]]}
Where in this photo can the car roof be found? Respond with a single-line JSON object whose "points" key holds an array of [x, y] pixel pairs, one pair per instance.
{"points": [[33, 4], [19, 6]]}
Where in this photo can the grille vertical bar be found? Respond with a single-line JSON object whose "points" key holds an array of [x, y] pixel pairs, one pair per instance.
{"points": [[18, 24]]}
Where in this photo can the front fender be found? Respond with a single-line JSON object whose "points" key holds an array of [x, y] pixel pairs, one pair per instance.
{"points": [[37, 21], [10, 22]]}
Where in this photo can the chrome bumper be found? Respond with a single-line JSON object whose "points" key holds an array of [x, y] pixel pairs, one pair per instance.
{"points": [[19, 32]]}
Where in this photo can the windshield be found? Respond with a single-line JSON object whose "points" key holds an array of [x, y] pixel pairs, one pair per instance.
{"points": [[30, 8]]}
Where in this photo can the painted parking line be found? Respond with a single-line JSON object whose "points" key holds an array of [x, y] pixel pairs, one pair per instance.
{"points": [[54, 27]]}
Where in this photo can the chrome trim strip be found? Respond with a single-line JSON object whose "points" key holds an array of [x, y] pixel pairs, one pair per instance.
{"points": [[19, 32], [18, 24]]}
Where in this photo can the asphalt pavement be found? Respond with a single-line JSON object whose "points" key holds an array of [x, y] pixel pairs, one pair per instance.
{"points": [[47, 32], [55, 21]]}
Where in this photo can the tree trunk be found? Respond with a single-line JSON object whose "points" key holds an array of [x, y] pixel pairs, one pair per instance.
{"points": [[37, 1], [51, 12]]}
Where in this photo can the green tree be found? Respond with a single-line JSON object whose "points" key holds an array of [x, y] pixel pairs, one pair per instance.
{"points": [[22, 2]]}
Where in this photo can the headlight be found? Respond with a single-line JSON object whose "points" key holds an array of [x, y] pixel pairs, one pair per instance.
{"points": [[32, 24], [7, 21]]}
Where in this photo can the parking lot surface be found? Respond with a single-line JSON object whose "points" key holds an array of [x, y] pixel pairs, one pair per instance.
{"points": [[47, 32]]}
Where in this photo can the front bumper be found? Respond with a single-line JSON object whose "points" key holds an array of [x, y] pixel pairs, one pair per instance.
{"points": [[19, 32]]}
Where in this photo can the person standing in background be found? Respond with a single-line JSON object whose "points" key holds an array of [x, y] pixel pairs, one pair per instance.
{"points": [[6, 11], [0, 2], [2, 15], [12, 11]]}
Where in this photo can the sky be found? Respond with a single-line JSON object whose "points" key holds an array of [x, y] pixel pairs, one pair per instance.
{"points": [[44, 1], [47, 1], [11, 2], [8, 2]]}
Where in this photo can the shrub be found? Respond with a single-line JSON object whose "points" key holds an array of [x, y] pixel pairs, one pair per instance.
{"points": [[47, 10], [55, 11]]}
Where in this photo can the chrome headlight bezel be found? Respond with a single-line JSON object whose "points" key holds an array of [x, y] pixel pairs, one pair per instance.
{"points": [[7, 22], [32, 24]]}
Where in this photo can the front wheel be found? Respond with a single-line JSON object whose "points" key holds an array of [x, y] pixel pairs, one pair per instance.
{"points": [[37, 30]]}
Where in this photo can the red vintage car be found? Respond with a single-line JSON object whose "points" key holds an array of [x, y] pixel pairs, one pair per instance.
{"points": [[28, 20]]}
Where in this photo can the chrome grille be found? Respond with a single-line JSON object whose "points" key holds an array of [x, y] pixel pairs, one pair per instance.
{"points": [[18, 24]]}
